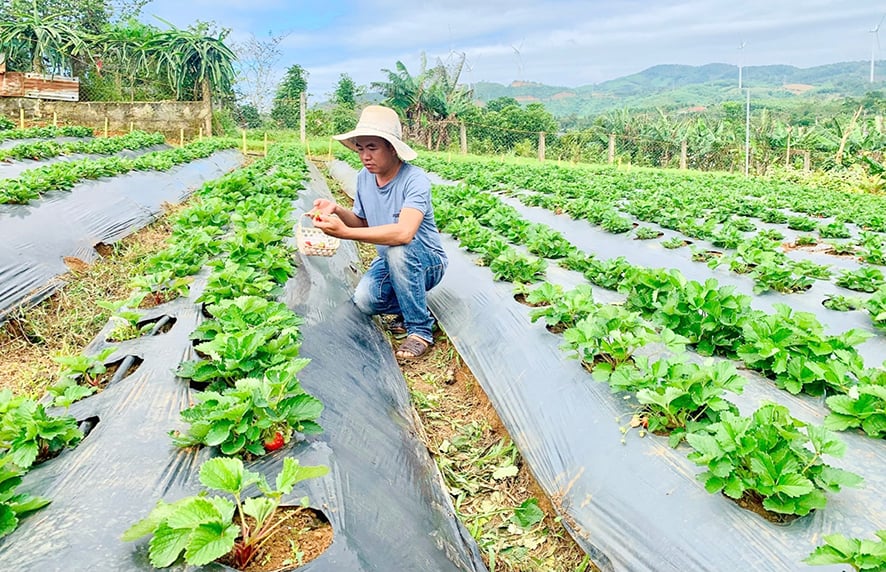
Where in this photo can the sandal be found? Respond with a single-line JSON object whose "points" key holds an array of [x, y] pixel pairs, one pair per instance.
{"points": [[413, 347]]}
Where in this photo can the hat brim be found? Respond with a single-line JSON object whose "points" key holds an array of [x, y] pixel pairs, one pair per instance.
{"points": [[403, 150]]}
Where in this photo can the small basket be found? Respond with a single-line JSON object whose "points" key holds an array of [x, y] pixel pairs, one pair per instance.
{"points": [[313, 241]]}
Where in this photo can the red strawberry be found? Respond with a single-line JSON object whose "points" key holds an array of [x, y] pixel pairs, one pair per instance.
{"points": [[275, 442]]}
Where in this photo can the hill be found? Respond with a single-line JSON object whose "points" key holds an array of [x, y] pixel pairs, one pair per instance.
{"points": [[692, 87]]}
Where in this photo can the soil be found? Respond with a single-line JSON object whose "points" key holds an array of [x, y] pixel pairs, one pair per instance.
{"points": [[75, 264], [305, 535], [754, 503]]}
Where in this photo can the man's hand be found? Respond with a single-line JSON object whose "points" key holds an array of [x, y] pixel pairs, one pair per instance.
{"points": [[331, 225], [323, 207]]}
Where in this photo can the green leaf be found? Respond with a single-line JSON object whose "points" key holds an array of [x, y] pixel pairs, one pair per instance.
{"points": [[260, 509], [8, 520], [194, 512], [150, 523], [793, 485], [166, 544], [528, 513], [293, 473], [705, 444], [223, 474], [824, 555], [211, 541]]}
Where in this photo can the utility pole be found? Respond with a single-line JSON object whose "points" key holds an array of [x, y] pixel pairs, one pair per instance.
{"points": [[740, 61]]}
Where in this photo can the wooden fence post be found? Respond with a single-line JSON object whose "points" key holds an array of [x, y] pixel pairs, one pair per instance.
{"points": [[106, 126], [807, 161], [21, 117], [244, 141], [55, 119], [787, 156], [463, 138], [302, 110], [181, 137], [684, 155], [611, 148], [541, 146]]}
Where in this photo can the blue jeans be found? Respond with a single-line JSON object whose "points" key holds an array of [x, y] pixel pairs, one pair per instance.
{"points": [[397, 282]]}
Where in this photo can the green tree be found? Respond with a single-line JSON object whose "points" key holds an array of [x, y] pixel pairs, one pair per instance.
{"points": [[346, 92], [286, 110]]}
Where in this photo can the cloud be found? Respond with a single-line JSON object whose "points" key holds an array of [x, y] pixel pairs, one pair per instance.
{"points": [[562, 42]]}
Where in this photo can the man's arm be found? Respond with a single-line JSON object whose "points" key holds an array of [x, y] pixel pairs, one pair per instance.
{"points": [[394, 234]]}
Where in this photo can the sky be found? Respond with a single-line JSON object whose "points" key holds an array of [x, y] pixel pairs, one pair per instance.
{"points": [[566, 43]]}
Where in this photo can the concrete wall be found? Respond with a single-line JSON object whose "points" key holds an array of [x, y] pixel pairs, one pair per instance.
{"points": [[167, 117]]}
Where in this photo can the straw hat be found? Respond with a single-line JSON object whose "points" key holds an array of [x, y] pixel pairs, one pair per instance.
{"points": [[379, 121]]}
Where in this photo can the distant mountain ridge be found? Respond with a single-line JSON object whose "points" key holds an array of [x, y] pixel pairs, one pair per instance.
{"points": [[674, 86]]}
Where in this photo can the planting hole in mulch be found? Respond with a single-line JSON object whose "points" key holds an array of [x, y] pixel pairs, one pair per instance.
{"points": [[116, 371], [521, 298], [304, 535], [754, 503], [162, 324], [87, 425], [158, 297], [104, 250]]}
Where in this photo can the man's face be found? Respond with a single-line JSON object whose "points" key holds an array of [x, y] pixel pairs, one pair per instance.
{"points": [[376, 154]]}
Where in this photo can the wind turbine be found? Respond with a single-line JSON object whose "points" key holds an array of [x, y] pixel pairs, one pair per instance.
{"points": [[519, 61], [740, 61], [875, 43]]}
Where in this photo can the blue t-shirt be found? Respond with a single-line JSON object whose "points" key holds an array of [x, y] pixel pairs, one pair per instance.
{"points": [[381, 205]]}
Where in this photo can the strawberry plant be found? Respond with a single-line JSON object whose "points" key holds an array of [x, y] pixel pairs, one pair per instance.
{"points": [[232, 280], [79, 377], [244, 353], [806, 240], [206, 528], [615, 223], [28, 434], [243, 419], [610, 334], [876, 306], [841, 303], [14, 506], [567, 309], [860, 554], [802, 223], [770, 457], [675, 395], [810, 269], [776, 273], [862, 406], [546, 242], [511, 266], [793, 349], [544, 294], [646, 233], [245, 313], [126, 320], [842, 248], [834, 230], [673, 242], [864, 279], [608, 273]]}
